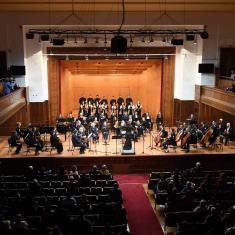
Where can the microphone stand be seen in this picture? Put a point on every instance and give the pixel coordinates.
(143, 144)
(69, 137)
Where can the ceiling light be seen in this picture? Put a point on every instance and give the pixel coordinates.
(29, 35)
(204, 35)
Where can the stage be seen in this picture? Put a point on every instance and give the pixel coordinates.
(147, 157)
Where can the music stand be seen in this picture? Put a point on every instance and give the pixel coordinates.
(116, 137)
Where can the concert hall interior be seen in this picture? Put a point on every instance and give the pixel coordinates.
(117, 97)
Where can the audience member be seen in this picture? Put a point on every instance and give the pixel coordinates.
(104, 170)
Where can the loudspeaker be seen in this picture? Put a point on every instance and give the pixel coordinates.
(45, 37)
(3, 64)
(58, 41)
(190, 37)
(17, 70)
(177, 42)
(118, 44)
(29, 35)
(206, 68)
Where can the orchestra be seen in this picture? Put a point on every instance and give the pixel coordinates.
(122, 117)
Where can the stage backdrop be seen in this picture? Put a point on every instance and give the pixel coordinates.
(145, 87)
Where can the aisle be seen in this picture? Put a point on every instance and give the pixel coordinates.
(141, 217)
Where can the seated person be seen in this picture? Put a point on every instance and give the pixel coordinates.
(14, 141)
(55, 141)
(78, 141)
(228, 133)
(170, 141)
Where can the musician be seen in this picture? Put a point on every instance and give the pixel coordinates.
(70, 118)
(136, 117)
(159, 119)
(138, 108)
(61, 126)
(228, 133)
(202, 129)
(78, 140)
(125, 116)
(89, 107)
(82, 100)
(120, 100)
(192, 120)
(113, 109)
(14, 141)
(94, 132)
(170, 141)
(146, 118)
(121, 109)
(112, 101)
(221, 126)
(129, 100)
(116, 128)
(33, 139)
(104, 101)
(162, 135)
(55, 141)
(130, 108)
(192, 137)
(139, 130)
(18, 130)
(90, 100)
(97, 100)
(105, 131)
(104, 108)
(215, 133)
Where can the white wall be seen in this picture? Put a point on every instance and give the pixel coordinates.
(219, 25)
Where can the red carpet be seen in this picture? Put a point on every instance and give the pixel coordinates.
(141, 217)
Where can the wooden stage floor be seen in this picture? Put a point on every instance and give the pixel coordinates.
(147, 156)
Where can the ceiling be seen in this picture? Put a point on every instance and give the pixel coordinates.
(115, 5)
(108, 67)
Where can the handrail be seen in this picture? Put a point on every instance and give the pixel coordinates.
(11, 103)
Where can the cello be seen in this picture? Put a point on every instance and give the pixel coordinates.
(206, 136)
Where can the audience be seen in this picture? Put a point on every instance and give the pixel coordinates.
(196, 200)
(41, 202)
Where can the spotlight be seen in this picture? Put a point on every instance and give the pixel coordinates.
(190, 37)
(146, 57)
(29, 35)
(45, 37)
(58, 41)
(204, 35)
(177, 42)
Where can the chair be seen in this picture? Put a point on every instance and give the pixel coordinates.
(101, 183)
(96, 190)
(34, 221)
(60, 191)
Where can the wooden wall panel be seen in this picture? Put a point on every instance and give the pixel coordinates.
(145, 87)
(53, 89)
(39, 112)
(218, 99)
(183, 109)
(21, 116)
(168, 90)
